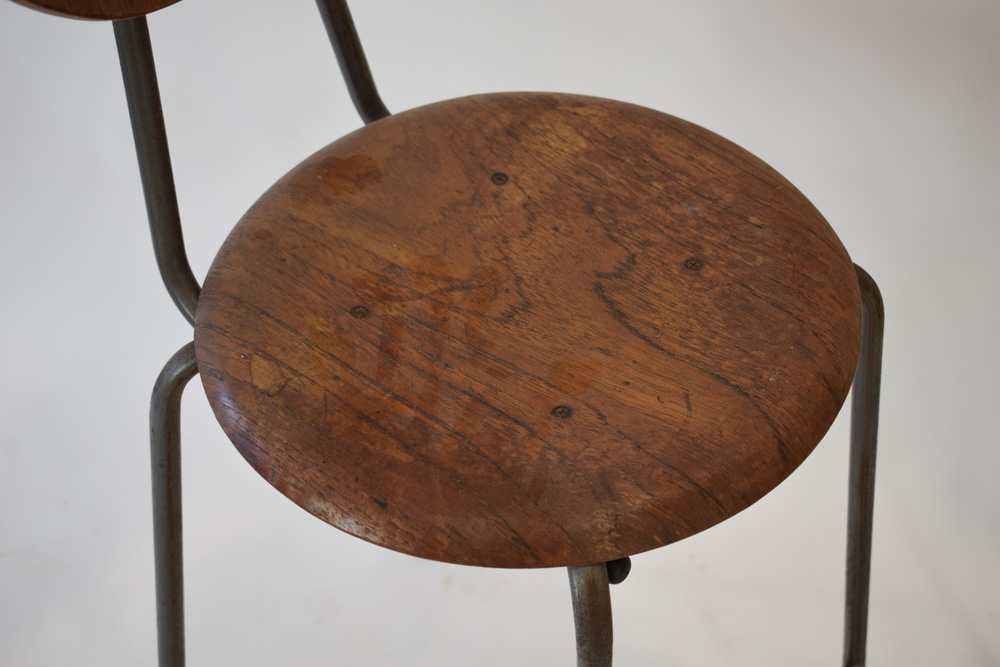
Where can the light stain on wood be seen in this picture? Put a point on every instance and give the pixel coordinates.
(693, 313)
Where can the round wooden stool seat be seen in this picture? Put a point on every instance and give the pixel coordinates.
(526, 330)
(98, 9)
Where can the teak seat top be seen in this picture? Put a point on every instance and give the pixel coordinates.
(527, 330)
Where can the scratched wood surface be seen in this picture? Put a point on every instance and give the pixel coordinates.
(97, 9)
(525, 330)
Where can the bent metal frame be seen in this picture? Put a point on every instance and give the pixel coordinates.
(589, 584)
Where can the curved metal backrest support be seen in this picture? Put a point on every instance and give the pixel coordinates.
(350, 55)
(150, 134)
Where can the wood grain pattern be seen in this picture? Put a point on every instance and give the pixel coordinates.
(526, 330)
(97, 9)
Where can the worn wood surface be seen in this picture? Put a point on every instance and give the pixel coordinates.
(97, 9)
(528, 330)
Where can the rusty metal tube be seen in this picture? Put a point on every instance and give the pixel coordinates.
(351, 57)
(861, 501)
(591, 614)
(150, 135)
(165, 450)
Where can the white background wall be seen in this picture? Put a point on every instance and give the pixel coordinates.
(884, 112)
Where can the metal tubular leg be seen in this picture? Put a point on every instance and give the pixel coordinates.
(350, 55)
(142, 91)
(165, 448)
(588, 585)
(864, 433)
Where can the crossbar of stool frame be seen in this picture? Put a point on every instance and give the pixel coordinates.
(588, 584)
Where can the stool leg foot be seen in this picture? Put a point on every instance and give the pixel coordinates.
(591, 614)
(864, 433)
(165, 450)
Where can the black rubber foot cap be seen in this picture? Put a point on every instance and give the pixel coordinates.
(618, 569)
